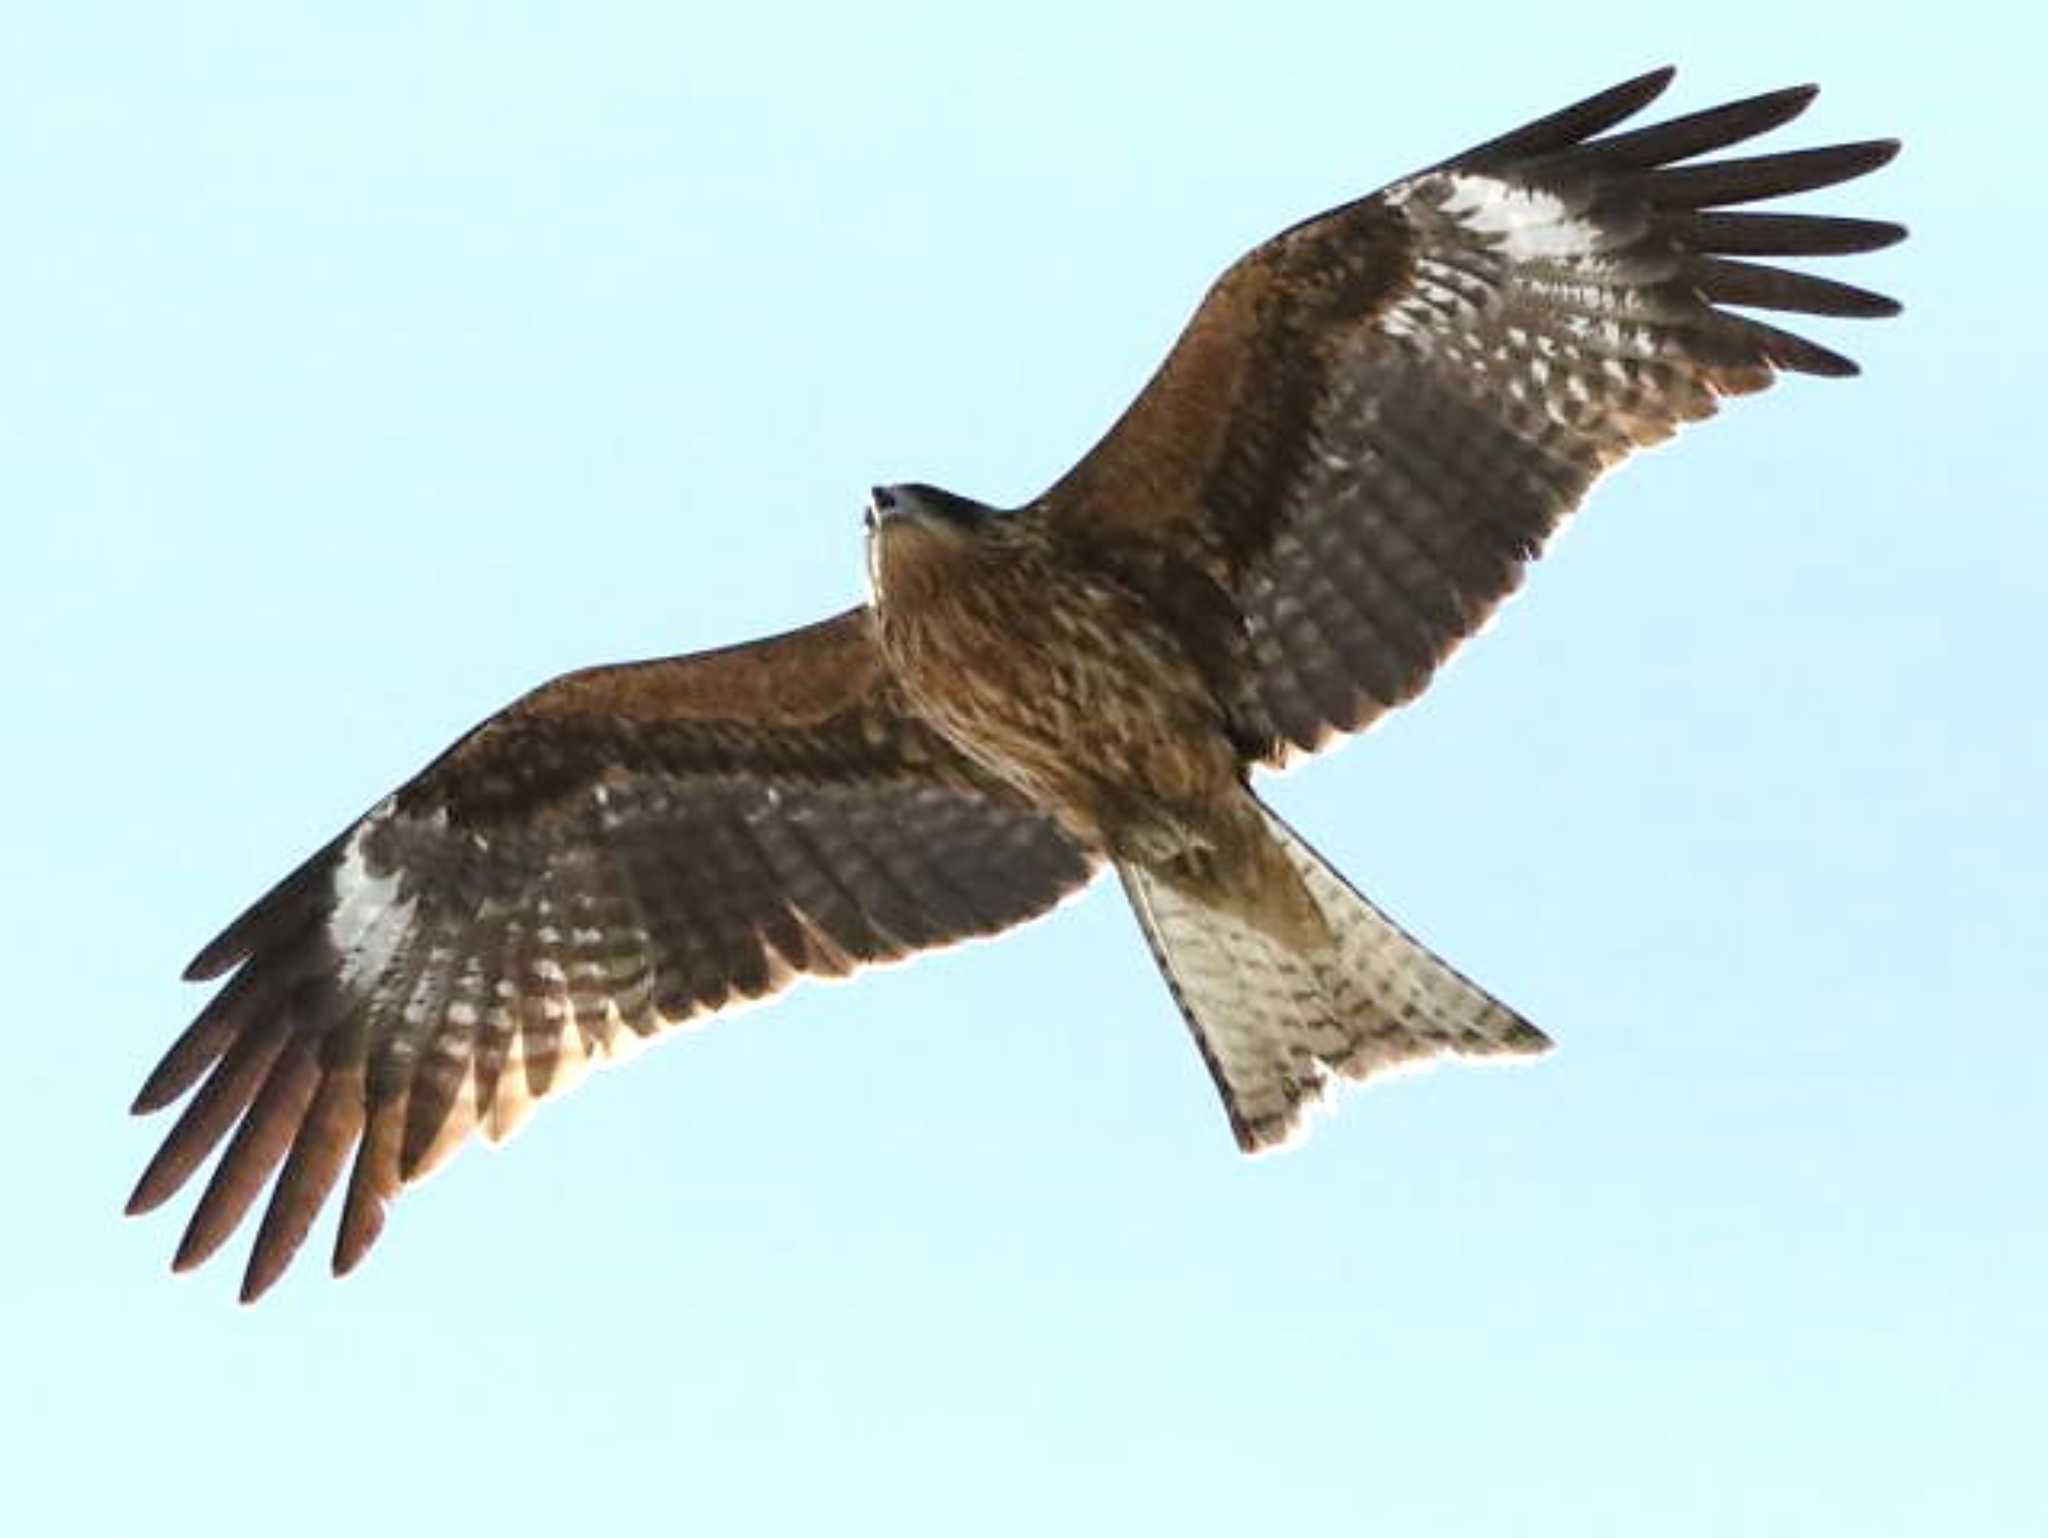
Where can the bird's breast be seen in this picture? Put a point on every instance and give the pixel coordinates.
(1063, 682)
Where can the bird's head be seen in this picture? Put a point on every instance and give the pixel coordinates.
(914, 527)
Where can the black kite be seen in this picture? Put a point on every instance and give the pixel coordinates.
(1370, 425)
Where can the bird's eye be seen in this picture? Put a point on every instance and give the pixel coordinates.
(867, 517)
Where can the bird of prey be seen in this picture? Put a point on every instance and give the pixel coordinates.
(1369, 426)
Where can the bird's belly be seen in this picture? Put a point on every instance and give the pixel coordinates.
(1076, 694)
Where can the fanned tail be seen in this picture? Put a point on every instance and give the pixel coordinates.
(1279, 1019)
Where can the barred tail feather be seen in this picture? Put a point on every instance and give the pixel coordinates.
(1278, 1022)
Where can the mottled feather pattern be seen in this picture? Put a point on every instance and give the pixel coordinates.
(1278, 1025)
(1557, 312)
(555, 889)
(1085, 699)
(1484, 340)
(1372, 424)
(1417, 519)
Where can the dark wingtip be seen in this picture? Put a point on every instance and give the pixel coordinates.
(165, 1174)
(194, 1250)
(357, 1234)
(219, 954)
(152, 1097)
(1631, 96)
(1793, 354)
(272, 917)
(1826, 364)
(195, 1051)
(1865, 155)
(143, 1199)
(1626, 99)
(265, 1267)
(1862, 236)
(1774, 109)
(362, 1222)
(1568, 125)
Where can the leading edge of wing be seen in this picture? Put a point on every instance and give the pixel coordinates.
(606, 859)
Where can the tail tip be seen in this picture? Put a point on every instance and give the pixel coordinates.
(1521, 1039)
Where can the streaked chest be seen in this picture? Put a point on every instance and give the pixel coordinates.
(1060, 679)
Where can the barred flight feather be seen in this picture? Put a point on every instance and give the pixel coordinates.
(458, 954)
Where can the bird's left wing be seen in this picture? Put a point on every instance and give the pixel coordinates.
(1376, 418)
(616, 853)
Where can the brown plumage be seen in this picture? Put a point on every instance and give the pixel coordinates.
(1368, 428)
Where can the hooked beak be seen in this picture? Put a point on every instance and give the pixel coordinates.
(881, 506)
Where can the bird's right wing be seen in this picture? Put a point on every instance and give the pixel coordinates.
(620, 851)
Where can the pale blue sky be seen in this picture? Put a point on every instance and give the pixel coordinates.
(368, 369)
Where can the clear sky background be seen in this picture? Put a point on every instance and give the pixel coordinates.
(370, 364)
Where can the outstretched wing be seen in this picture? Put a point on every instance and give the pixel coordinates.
(620, 851)
(1376, 418)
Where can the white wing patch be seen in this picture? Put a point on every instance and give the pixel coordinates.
(1482, 238)
(1553, 316)
(1524, 223)
(370, 921)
